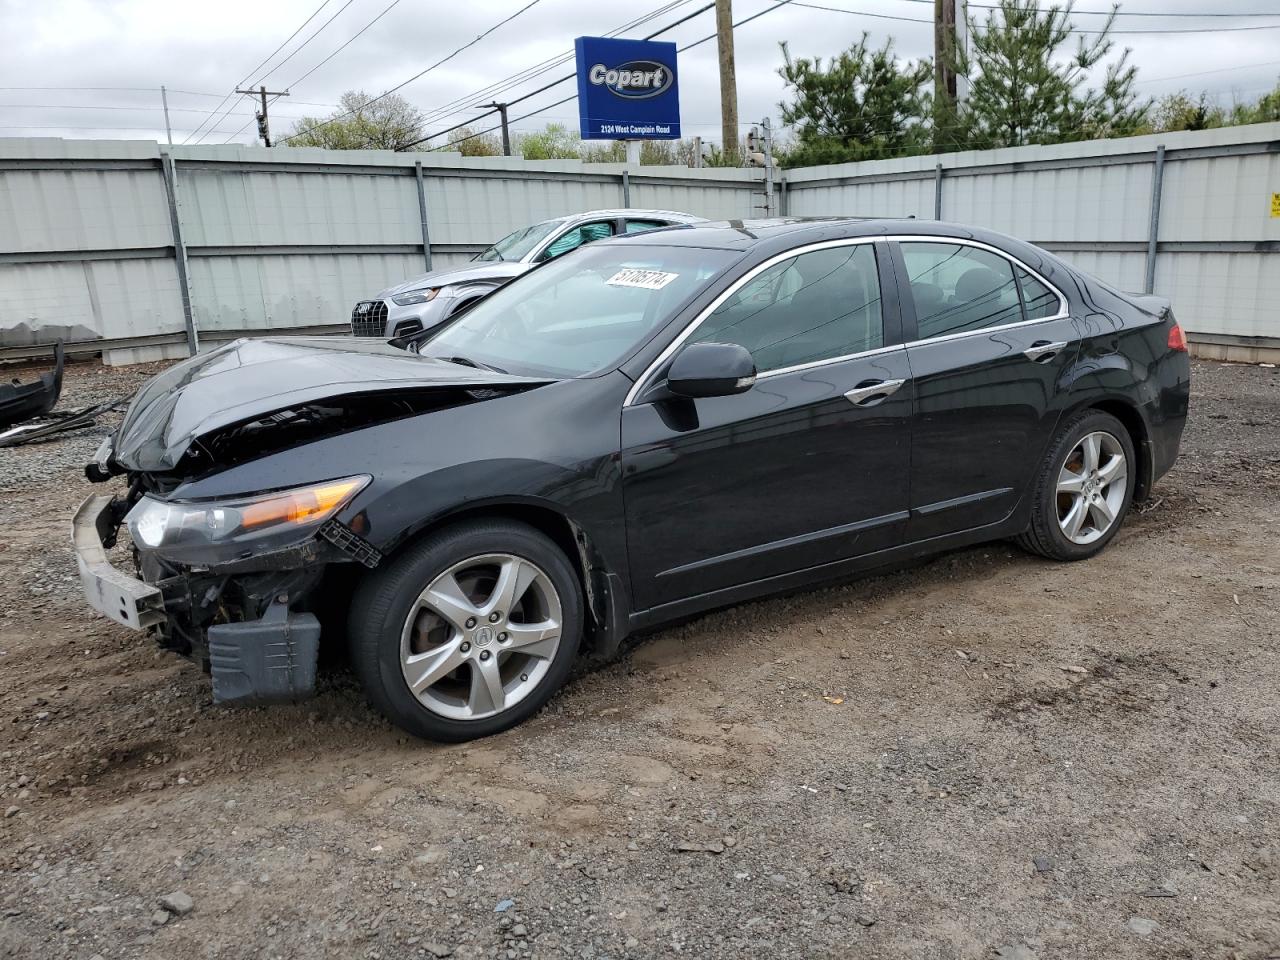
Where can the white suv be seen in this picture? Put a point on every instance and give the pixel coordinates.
(428, 300)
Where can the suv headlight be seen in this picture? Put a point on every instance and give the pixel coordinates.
(416, 296)
(214, 531)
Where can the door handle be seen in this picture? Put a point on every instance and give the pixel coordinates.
(1043, 350)
(869, 394)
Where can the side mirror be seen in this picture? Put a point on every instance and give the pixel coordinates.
(711, 370)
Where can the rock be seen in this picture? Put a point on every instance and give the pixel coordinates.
(1165, 889)
(504, 905)
(160, 918)
(438, 949)
(11, 812)
(178, 903)
(1015, 951)
(631, 943)
(865, 920)
(693, 846)
(519, 930)
(1042, 863)
(1142, 926)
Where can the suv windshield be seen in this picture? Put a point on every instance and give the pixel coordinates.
(516, 246)
(579, 313)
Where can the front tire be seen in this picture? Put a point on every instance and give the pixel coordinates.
(469, 631)
(1083, 490)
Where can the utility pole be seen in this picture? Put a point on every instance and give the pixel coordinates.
(164, 101)
(264, 129)
(697, 152)
(944, 73)
(506, 133)
(767, 137)
(728, 79)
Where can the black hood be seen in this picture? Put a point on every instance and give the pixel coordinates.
(248, 379)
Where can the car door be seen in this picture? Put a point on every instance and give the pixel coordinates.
(808, 466)
(989, 343)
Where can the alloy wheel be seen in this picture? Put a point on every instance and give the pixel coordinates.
(1092, 485)
(481, 636)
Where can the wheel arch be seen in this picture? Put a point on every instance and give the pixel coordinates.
(607, 602)
(1130, 416)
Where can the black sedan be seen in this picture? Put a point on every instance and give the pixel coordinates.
(642, 430)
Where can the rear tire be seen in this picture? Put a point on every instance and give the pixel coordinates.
(469, 631)
(1083, 490)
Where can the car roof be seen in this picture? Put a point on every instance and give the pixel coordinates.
(673, 215)
(786, 232)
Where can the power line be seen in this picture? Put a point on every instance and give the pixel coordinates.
(574, 96)
(556, 83)
(1119, 13)
(886, 16)
(423, 73)
(245, 78)
(354, 37)
(1201, 73)
(299, 48)
(477, 98)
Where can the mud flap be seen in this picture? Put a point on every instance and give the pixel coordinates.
(271, 660)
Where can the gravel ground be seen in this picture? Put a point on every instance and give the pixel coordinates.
(987, 755)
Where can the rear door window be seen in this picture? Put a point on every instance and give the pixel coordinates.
(957, 288)
(1039, 300)
(640, 226)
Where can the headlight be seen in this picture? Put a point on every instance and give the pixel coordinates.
(416, 296)
(214, 531)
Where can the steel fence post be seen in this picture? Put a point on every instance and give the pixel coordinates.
(169, 169)
(422, 214)
(1153, 230)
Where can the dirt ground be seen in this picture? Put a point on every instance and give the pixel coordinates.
(988, 755)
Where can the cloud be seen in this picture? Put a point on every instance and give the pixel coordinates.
(205, 48)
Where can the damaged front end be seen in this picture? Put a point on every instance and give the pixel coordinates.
(242, 584)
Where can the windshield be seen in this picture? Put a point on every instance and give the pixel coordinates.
(516, 246)
(579, 313)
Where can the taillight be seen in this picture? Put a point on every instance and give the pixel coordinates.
(1177, 339)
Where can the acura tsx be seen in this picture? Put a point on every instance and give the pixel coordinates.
(644, 429)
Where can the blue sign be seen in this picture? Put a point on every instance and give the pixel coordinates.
(627, 89)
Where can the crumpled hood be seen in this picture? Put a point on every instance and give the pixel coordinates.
(495, 270)
(245, 379)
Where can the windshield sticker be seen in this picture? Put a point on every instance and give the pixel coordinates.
(645, 279)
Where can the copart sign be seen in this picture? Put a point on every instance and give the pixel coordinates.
(627, 89)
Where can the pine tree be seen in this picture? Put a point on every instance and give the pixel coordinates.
(1025, 87)
(862, 105)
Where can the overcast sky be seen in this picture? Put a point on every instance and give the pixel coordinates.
(201, 50)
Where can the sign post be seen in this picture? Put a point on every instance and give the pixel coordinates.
(627, 91)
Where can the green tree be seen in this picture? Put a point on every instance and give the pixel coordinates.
(1177, 111)
(1026, 86)
(359, 124)
(469, 143)
(861, 105)
(555, 142)
(1264, 110)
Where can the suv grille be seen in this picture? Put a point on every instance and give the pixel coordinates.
(369, 319)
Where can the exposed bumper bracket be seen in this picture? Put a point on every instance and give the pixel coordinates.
(117, 595)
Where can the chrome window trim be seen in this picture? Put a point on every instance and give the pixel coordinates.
(643, 383)
(1062, 313)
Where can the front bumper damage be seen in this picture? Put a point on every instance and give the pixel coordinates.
(240, 620)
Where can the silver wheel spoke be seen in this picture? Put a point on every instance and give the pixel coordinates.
(1102, 514)
(536, 639)
(1074, 519)
(487, 695)
(1069, 482)
(514, 578)
(1113, 471)
(423, 670)
(1090, 446)
(446, 598)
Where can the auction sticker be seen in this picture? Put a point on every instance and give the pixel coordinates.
(645, 279)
